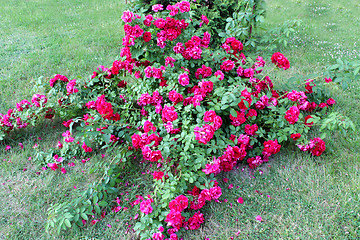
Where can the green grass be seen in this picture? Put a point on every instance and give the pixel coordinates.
(44, 38)
(311, 198)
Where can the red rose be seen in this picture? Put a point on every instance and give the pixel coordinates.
(246, 97)
(236, 46)
(104, 108)
(136, 141)
(250, 130)
(215, 192)
(195, 221)
(209, 116)
(323, 105)
(292, 115)
(295, 136)
(271, 147)
(227, 66)
(175, 219)
(239, 119)
(147, 36)
(169, 114)
(280, 60)
(312, 107)
(251, 113)
(319, 146)
(330, 101)
(328, 80)
(179, 204)
(175, 97)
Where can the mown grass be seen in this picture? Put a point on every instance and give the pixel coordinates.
(44, 38)
(298, 196)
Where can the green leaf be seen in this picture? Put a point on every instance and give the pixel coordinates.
(95, 199)
(333, 67)
(97, 209)
(225, 106)
(339, 61)
(199, 109)
(84, 216)
(246, 103)
(186, 147)
(59, 228)
(67, 223)
(138, 225)
(166, 195)
(191, 180)
(344, 85)
(233, 112)
(106, 137)
(356, 71)
(103, 203)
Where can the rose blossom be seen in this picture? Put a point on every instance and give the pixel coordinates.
(227, 65)
(157, 7)
(184, 79)
(127, 16)
(295, 136)
(292, 115)
(280, 60)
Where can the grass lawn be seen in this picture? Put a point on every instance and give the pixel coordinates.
(297, 196)
(44, 38)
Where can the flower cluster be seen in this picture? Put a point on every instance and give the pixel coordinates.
(280, 60)
(316, 146)
(200, 198)
(193, 47)
(68, 137)
(292, 115)
(175, 97)
(206, 132)
(70, 87)
(154, 72)
(86, 148)
(204, 71)
(155, 100)
(145, 206)
(131, 33)
(24, 104)
(228, 160)
(200, 92)
(143, 142)
(180, 203)
(105, 109)
(39, 100)
(232, 45)
(56, 78)
(176, 206)
(271, 147)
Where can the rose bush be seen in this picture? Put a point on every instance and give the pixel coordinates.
(183, 110)
(215, 17)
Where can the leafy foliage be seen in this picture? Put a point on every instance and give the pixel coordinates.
(246, 16)
(278, 36)
(344, 72)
